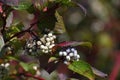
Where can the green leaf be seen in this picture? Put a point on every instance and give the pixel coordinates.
(23, 5)
(87, 44)
(51, 59)
(28, 67)
(59, 26)
(82, 68)
(12, 58)
(25, 66)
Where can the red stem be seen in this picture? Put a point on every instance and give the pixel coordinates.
(30, 75)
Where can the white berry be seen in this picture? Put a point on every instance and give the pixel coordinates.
(48, 43)
(68, 58)
(7, 64)
(46, 51)
(65, 62)
(72, 49)
(48, 39)
(35, 67)
(68, 50)
(53, 42)
(50, 34)
(71, 54)
(64, 53)
(42, 46)
(75, 51)
(45, 47)
(30, 50)
(78, 56)
(44, 36)
(39, 43)
(2, 65)
(51, 38)
(60, 53)
(54, 37)
(29, 45)
(43, 50)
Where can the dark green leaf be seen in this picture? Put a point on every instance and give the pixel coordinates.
(82, 68)
(47, 19)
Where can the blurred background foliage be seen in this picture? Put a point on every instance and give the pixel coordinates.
(101, 26)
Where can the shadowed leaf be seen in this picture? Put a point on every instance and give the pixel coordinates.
(1, 42)
(99, 73)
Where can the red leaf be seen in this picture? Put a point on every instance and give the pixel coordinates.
(1, 8)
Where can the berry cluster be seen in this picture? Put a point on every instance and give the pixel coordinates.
(47, 42)
(44, 44)
(31, 46)
(69, 54)
(6, 65)
(3, 70)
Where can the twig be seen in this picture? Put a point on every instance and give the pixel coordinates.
(4, 16)
(22, 32)
(30, 75)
